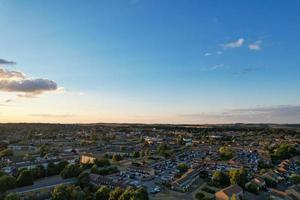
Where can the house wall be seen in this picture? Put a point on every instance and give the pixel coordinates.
(87, 159)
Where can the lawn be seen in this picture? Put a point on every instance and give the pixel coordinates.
(171, 195)
(199, 189)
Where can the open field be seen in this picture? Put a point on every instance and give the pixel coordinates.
(171, 195)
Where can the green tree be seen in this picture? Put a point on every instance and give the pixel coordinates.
(270, 182)
(115, 194)
(102, 162)
(122, 148)
(25, 178)
(140, 194)
(2, 173)
(180, 140)
(51, 169)
(44, 150)
(5, 153)
(94, 137)
(12, 196)
(243, 177)
(252, 188)
(284, 151)
(143, 154)
(18, 172)
(225, 153)
(103, 193)
(61, 166)
(71, 170)
(182, 167)
(142, 140)
(127, 194)
(7, 182)
(94, 169)
(163, 150)
(220, 179)
(237, 176)
(83, 179)
(147, 152)
(234, 197)
(38, 172)
(61, 192)
(295, 178)
(136, 154)
(77, 194)
(107, 170)
(116, 158)
(199, 196)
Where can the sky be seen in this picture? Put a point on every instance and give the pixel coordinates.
(150, 61)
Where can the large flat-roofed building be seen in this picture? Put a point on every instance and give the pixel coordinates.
(99, 180)
(145, 170)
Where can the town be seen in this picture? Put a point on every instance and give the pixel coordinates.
(144, 161)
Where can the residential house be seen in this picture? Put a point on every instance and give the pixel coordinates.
(227, 193)
(19, 147)
(279, 195)
(293, 192)
(184, 183)
(259, 182)
(87, 159)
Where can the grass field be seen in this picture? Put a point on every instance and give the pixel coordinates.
(167, 194)
(171, 195)
(199, 189)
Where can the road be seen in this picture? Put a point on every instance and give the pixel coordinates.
(49, 182)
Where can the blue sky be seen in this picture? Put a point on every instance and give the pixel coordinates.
(151, 61)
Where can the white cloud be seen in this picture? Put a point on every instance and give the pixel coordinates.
(215, 53)
(217, 66)
(14, 81)
(6, 74)
(255, 46)
(214, 67)
(32, 86)
(234, 44)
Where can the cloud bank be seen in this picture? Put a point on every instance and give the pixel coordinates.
(32, 86)
(5, 74)
(6, 62)
(15, 81)
(272, 114)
